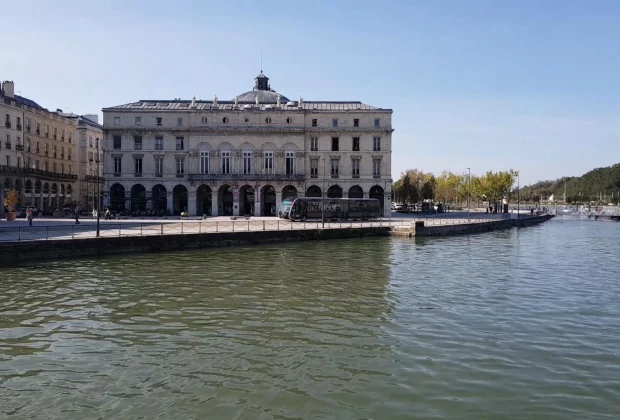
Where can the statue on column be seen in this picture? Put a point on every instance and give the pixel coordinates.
(215, 100)
(256, 99)
(236, 101)
(278, 100)
(301, 101)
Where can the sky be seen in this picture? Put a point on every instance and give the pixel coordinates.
(483, 84)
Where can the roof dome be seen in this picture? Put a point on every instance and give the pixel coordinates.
(262, 91)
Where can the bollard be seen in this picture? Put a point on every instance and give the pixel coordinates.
(263, 225)
(199, 227)
(19, 232)
(140, 229)
(182, 227)
(248, 225)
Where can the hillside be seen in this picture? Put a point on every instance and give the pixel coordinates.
(590, 186)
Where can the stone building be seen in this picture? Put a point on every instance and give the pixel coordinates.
(37, 152)
(243, 156)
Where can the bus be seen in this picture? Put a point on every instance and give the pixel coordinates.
(330, 208)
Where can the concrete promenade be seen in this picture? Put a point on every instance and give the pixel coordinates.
(63, 229)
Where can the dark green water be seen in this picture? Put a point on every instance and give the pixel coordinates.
(520, 324)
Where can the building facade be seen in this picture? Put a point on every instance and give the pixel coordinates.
(89, 134)
(245, 155)
(38, 152)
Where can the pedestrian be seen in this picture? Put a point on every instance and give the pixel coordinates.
(29, 216)
(77, 217)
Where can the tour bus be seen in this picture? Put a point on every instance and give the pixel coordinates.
(333, 208)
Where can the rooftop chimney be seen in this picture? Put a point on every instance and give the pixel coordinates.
(92, 117)
(9, 89)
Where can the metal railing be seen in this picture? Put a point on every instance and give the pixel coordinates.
(133, 227)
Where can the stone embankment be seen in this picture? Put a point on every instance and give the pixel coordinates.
(419, 229)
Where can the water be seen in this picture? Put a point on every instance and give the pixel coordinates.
(519, 324)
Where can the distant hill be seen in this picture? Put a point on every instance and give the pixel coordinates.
(590, 186)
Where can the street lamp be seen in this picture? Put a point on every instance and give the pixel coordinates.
(98, 191)
(323, 197)
(468, 194)
(518, 197)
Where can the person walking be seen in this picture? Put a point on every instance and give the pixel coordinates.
(29, 216)
(77, 216)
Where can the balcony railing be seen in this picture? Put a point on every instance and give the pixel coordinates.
(38, 131)
(138, 174)
(36, 172)
(180, 175)
(158, 147)
(137, 146)
(355, 175)
(18, 126)
(376, 176)
(54, 136)
(179, 147)
(254, 177)
(7, 145)
(19, 147)
(7, 124)
(69, 140)
(334, 175)
(28, 128)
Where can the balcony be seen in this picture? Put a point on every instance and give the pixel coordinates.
(181, 175)
(7, 124)
(179, 147)
(37, 151)
(47, 135)
(7, 145)
(376, 176)
(62, 156)
(38, 131)
(158, 147)
(37, 172)
(46, 153)
(28, 128)
(19, 147)
(137, 175)
(54, 136)
(62, 138)
(314, 176)
(117, 174)
(248, 177)
(355, 175)
(334, 175)
(18, 126)
(159, 174)
(137, 146)
(69, 140)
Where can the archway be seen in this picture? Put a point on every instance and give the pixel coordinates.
(54, 189)
(377, 192)
(18, 186)
(46, 188)
(37, 187)
(225, 198)
(268, 197)
(313, 191)
(68, 189)
(334, 192)
(203, 200)
(179, 199)
(246, 200)
(37, 195)
(117, 197)
(159, 197)
(28, 187)
(289, 192)
(356, 192)
(62, 189)
(138, 198)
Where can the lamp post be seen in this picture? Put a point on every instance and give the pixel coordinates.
(323, 197)
(468, 193)
(419, 194)
(518, 197)
(98, 193)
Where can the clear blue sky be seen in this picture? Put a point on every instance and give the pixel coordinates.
(529, 85)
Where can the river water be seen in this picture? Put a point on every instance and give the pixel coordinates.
(518, 324)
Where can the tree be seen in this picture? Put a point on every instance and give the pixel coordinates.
(11, 200)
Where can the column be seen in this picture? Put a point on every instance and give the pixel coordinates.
(127, 200)
(235, 201)
(258, 209)
(169, 199)
(214, 203)
(191, 203)
(278, 201)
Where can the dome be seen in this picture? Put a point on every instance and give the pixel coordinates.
(264, 97)
(262, 91)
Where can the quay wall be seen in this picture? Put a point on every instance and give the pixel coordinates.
(13, 254)
(468, 228)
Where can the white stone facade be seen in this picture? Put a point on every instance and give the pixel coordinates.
(243, 156)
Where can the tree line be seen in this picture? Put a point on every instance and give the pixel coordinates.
(453, 188)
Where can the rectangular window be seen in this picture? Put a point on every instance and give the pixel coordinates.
(137, 142)
(356, 122)
(158, 120)
(138, 166)
(179, 122)
(376, 168)
(117, 142)
(28, 145)
(335, 144)
(247, 163)
(55, 168)
(37, 144)
(314, 122)
(290, 163)
(69, 170)
(46, 166)
(159, 166)
(138, 120)
(335, 168)
(179, 143)
(180, 166)
(55, 132)
(62, 168)
(117, 121)
(335, 122)
(356, 144)
(27, 162)
(225, 163)
(19, 125)
(54, 151)
(376, 144)
(269, 162)
(97, 143)
(314, 168)
(90, 141)
(205, 161)
(8, 141)
(62, 135)
(90, 156)
(19, 162)
(8, 161)
(38, 128)
(377, 123)
(314, 144)
(117, 166)
(159, 143)
(355, 168)
(36, 165)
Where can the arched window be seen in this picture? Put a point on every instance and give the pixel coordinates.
(225, 120)
(205, 162)
(247, 161)
(291, 162)
(204, 120)
(268, 120)
(289, 120)
(269, 164)
(226, 162)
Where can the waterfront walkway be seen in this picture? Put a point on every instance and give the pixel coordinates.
(62, 229)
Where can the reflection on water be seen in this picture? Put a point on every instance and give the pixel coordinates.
(514, 324)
